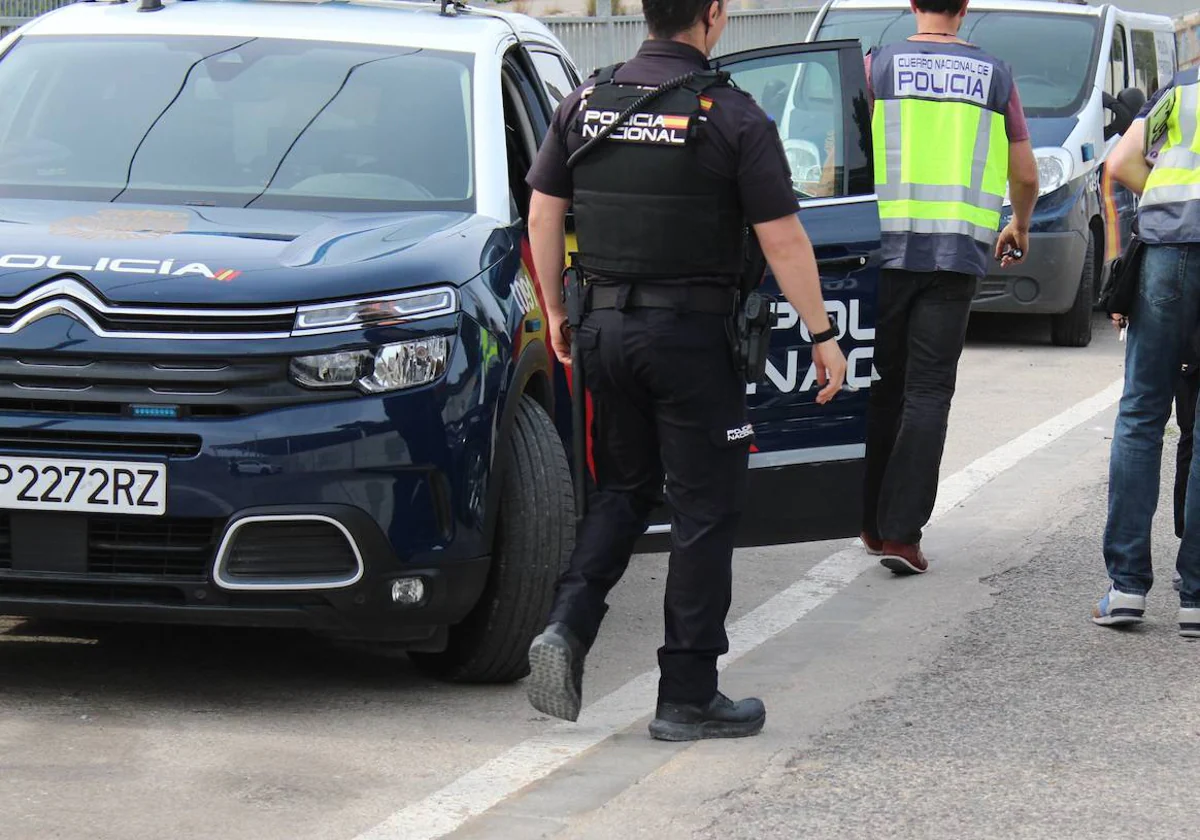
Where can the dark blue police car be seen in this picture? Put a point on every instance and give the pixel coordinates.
(270, 349)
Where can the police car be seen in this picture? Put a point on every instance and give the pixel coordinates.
(272, 350)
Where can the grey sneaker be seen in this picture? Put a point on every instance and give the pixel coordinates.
(1189, 622)
(1118, 608)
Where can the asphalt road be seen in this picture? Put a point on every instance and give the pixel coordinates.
(976, 701)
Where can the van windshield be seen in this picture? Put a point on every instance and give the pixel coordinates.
(236, 122)
(1052, 55)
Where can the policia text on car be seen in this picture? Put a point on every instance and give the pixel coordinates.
(661, 206)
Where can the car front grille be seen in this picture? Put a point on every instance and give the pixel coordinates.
(186, 387)
(68, 295)
(5, 543)
(173, 549)
(160, 548)
(56, 442)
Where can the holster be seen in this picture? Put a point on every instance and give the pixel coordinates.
(751, 334)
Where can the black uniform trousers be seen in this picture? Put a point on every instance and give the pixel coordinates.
(666, 401)
(919, 335)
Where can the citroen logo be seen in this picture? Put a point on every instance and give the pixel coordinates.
(61, 297)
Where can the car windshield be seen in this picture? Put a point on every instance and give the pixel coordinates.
(236, 122)
(1051, 55)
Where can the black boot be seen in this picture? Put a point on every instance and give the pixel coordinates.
(718, 718)
(555, 684)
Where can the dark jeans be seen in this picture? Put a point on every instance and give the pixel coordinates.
(1187, 391)
(1165, 313)
(919, 336)
(666, 398)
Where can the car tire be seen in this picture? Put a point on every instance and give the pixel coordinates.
(535, 535)
(1073, 328)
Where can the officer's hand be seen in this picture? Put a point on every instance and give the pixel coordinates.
(831, 369)
(560, 338)
(1012, 238)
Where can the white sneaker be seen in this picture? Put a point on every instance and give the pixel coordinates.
(1189, 622)
(1117, 608)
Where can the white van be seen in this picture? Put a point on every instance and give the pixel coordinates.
(1083, 72)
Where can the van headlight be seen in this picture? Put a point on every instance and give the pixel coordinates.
(1055, 169)
(341, 316)
(389, 367)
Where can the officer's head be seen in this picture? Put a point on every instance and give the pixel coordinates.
(697, 22)
(951, 8)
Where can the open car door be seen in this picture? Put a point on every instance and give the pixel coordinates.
(806, 465)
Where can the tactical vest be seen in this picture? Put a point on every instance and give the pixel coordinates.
(1169, 212)
(941, 154)
(645, 209)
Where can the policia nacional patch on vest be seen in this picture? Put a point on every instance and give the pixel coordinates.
(640, 127)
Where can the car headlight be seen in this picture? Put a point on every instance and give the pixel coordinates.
(389, 367)
(1055, 169)
(376, 312)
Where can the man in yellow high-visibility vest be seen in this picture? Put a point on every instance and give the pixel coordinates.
(949, 137)
(1164, 317)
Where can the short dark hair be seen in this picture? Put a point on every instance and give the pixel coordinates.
(667, 18)
(941, 7)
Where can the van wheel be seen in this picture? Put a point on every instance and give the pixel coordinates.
(534, 538)
(1073, 328)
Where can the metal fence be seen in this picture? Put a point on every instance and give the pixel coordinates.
(592, 41)
(596, 41)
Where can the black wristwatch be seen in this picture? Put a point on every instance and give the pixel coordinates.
(818, 338)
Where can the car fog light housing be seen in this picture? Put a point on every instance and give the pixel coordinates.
(408, 591)
(389, 367)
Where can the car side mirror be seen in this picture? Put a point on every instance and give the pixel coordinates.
(1124, 107)
(1133, 99)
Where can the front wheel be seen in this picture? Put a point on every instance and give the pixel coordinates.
(1073, 328)
(534, 538)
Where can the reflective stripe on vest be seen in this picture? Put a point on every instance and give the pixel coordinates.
(940, 167)
(1169, 210)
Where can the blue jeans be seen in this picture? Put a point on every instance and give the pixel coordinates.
(1164, 316)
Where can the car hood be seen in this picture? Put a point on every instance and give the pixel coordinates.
(231, 256)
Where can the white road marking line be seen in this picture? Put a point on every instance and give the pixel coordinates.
(535, 758)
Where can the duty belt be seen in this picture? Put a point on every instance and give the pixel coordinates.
(711, 300)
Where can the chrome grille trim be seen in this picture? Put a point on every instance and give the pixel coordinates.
(74, 299)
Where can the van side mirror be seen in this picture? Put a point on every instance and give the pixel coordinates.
(1133, 99)
(1124, 107)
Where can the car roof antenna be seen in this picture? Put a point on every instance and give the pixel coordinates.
(150, 6)
(457, 4)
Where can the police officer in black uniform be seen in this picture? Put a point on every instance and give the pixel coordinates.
(666, 165)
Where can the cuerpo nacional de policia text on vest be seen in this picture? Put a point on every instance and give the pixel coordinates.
(645, 209)
(941, 154)
(1169, 211)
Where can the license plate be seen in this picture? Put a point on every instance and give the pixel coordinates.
(83, 486)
